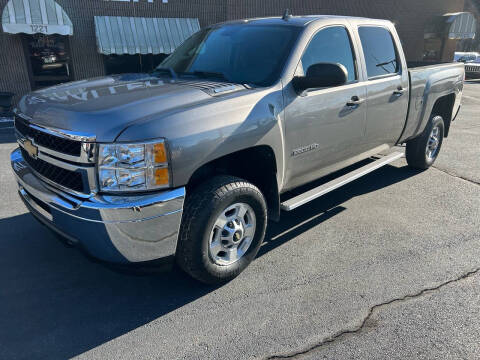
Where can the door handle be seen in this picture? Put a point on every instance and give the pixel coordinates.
(399, 92)
(355, 101)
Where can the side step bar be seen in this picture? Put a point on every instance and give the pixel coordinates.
(313, 194)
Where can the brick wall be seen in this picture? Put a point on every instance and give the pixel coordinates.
(409, 15)
(87, 62)
(472, 6)
(13, 66)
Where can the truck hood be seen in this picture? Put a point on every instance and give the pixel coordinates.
(103, 107)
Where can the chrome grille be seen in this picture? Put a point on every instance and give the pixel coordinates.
(63, 159)
(471, 69)
(52, 142)
(68, 179)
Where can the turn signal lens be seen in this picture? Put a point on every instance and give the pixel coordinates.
(160, 153)
(161, 176)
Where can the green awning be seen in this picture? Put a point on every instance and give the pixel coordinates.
(138, 35)
(461, 25)
(35, 17)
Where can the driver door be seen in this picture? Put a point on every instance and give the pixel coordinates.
(324, 126)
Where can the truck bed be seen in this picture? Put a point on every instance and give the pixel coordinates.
(428, 83)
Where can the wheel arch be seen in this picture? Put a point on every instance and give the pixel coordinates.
(444, 107)
(256, 165)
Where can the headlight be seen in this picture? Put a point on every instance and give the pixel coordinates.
(133, 167)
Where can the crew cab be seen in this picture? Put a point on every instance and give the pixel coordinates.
(188, 163)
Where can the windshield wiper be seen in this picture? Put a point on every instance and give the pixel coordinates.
(168, 70)
(209, 74)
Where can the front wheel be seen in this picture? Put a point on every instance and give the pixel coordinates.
(223, 226)
(422, 151)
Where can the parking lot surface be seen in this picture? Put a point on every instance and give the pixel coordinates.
(385, 267)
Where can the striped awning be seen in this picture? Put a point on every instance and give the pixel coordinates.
(35, 17)
(461, 25)
(139, 35)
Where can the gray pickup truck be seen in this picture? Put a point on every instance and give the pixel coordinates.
(187, 163)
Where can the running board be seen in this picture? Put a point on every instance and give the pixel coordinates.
(313, 194)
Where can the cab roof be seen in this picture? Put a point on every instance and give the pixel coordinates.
(300, 21)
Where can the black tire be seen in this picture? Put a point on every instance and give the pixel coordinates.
(416, 152)
(201, 210)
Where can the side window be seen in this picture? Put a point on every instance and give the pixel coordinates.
(379, 49)
(331, 45)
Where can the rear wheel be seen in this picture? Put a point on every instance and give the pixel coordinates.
(422, 151)
(222, 229)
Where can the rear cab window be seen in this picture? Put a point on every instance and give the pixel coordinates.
(381, 55)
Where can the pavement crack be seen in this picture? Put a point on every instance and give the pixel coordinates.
(342, 333)
(457, 176)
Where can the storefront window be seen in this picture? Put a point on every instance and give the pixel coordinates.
(121, 64)
(49, 59)
(432, 49)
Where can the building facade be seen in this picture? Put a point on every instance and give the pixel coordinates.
(98, 34)
(471, 45)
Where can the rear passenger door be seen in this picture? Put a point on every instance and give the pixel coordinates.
(387, 87)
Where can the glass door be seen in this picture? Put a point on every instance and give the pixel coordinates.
(48, 57)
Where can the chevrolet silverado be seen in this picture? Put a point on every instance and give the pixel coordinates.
(187, 163)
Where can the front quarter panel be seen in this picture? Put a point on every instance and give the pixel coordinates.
(200, 134)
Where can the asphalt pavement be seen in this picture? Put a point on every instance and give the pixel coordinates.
(385, 267)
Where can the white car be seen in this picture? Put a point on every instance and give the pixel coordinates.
(460, 54)
(472, 63)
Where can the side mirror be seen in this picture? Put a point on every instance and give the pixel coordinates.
(321, 75)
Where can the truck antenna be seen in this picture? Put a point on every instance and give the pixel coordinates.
(286, 15)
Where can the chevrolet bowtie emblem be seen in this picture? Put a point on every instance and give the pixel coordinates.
(31, 149)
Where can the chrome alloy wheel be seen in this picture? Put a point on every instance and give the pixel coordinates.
(232, 234)
(433, 143)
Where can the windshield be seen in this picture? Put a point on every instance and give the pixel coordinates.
(239, 53)
(468, 58)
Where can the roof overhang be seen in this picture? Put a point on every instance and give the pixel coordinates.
(35, 17)
(138, 35)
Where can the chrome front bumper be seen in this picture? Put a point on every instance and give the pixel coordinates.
(119, 229)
